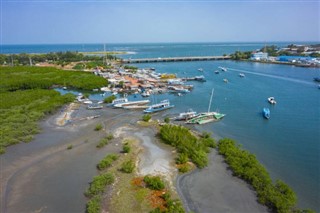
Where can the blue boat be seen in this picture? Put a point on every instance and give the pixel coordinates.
(266, 113)
(163, 105)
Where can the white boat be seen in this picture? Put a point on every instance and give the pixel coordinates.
(225, 80)
(118, 101)
(271, 100)
(163, 105)
(131, 103)
(206, 117)
(200, 78)
(145, 94)
(241, 75)
(186, 115)
(87, 101)
(224, 69)
(178, 89)
(135, 107)
(94, 106)
(200, 70)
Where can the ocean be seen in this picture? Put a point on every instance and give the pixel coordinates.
(288, 144)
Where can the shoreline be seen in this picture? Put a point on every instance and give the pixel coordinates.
(50, 157)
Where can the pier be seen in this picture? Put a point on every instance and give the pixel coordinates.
(175, 59)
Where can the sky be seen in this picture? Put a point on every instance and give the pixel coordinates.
(137, 21)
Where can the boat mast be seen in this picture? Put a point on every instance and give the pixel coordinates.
(210, 100)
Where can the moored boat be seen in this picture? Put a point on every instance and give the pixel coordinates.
(225, 80)
(206, 117)
(184, 116)
(163, 105)
(266, 113)
(224, 69)
(118, 101)
(271, 100)
(242, 75)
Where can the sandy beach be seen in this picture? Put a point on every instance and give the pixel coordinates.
(44, 176)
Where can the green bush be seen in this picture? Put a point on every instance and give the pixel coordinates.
(70, 146)
(102, 143)
(146, 117)
(182, 158)
(98, 127)
(154, 183)
(93, 205)
(109, 136)
(279, 197)
(107, 161)
(167, 120)
(195, 148)
(126, 148)
(127, 166)
(184, 168)
(109, 99)
(99, 183)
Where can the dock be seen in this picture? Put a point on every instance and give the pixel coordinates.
(175, 59)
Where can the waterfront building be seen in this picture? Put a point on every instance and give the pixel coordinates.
(259, 56)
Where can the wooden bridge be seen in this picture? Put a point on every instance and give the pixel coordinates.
(175, 59)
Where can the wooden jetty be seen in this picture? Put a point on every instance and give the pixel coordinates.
(175, 59)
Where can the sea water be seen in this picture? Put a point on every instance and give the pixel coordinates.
(288, 144)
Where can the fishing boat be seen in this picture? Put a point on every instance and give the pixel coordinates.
(200, 70)
(266, 113)
(184, 116)
(163, 105)
(241, 75)
(271, 100)
(131, 103)
(224, 69)
(206, 117)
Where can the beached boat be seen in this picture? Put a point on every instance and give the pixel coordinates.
(271, 100)
(135, 107)
(163, 105)
(118, 101)
(224, 69)
(206, 117)
(94, 106)
(131, 103)
(184, 116)
(266, 113)
(242, 75)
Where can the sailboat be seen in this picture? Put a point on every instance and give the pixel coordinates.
(206, 117)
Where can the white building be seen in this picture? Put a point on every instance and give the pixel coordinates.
(259, 56)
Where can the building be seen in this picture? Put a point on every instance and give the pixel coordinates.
(259, 56)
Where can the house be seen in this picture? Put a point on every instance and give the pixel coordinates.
(259, 56)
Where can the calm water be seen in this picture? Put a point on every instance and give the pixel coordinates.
(288, 144)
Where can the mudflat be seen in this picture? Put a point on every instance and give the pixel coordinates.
(45, 176)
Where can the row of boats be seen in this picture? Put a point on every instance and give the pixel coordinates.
(190, 117)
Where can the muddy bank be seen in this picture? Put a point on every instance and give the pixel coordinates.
(44, 176)
(214, 189)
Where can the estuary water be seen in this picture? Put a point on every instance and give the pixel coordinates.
(288, 144)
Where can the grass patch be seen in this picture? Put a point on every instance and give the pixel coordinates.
(70, 146)
(93, 205)
(98, 127)
(127, 166)
(107, 161)
(99, 183)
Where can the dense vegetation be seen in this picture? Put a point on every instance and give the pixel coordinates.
(241, 55)
(98, 184)
(188, 145)
(25, 98)
(279, 197)
(22, 78)
(107, 161)
(60, 58)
